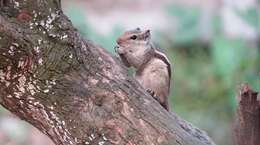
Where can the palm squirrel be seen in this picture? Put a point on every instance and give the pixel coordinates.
(152, 67)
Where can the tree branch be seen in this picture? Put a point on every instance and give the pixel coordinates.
(247, 125)
(75, 91)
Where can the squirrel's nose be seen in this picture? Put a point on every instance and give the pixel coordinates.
(147, 34)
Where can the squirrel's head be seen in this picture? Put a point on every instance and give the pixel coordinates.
(134, 37)
(135, 46)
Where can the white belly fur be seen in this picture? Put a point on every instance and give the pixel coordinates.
(155, 77)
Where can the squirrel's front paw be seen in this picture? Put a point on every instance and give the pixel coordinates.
(151, 92)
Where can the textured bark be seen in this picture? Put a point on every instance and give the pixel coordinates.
(247, 126)
(74, 91)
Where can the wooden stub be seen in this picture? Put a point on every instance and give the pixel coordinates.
(247, 125)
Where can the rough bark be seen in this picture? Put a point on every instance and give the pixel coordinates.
(247, 125)
(73, 90)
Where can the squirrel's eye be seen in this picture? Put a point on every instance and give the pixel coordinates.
(133, 37)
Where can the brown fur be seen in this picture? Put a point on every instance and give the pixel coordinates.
(153, 69)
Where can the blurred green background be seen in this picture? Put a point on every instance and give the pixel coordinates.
(214, 47)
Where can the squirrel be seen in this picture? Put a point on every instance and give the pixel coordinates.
(152, 67)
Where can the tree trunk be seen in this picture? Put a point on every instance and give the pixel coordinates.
(74, 91)
(247, 125)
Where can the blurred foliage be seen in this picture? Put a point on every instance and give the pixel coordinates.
(188, 20)
(251, 16)
(79, 20)
(206, 76)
